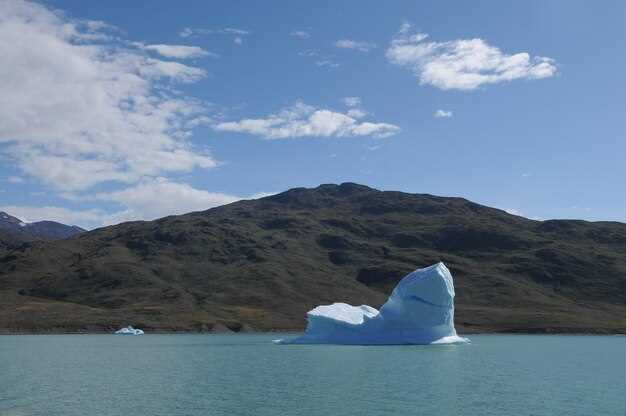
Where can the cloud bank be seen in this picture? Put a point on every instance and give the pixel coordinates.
(80, 108)
(147, 200)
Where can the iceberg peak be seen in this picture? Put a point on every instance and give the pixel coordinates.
(420, 310)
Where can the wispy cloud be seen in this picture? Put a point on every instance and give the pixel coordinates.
(321, 60)
(463, 64)
(147, 200)
(192, 32)
(327, 63)
(356, 45)
(177, 51)
(442, 114)
(302, 34)
(309, 53)
(355, 109)
(110, 111)
(301, 120)
(351, 101)
(237, 34)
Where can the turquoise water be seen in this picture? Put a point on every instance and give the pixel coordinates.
(175, 375)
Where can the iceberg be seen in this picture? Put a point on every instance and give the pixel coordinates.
(420, 310)
(129, 330)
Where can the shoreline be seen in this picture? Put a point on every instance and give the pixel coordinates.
(549, 332)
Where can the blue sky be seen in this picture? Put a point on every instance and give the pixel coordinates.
(118, 110)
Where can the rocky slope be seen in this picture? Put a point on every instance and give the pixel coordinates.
(261, 264)
(10, 241)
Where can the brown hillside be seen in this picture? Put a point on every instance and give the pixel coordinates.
(261, 264)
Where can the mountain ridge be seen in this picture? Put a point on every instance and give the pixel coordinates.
(45, 229)
(261, 264)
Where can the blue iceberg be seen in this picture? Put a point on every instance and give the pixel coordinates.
(420, 310)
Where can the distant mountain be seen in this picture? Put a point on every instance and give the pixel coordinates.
(10, 222)
(49, 230)
(261, 264)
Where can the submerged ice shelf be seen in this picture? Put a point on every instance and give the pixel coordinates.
(420, 310)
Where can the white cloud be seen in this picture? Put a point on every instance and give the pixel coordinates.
(186, 32)
(327, 62)
(160, 197)
(442, 114)
(354, 104)
(68, 173)
(356, 113)
(321, 60)
(194, 32)
(356, 45)
(351, 101)
(178, 51)
(148, 200)
(463, 64)
(80, 108)
(237, 34)
(300, 34)
(301, 120)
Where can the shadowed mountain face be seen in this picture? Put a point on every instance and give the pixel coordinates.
(261, 264)
(47, 230)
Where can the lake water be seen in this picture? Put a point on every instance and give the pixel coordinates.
(245, 374)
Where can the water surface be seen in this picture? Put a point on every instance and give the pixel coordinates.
(176, 375)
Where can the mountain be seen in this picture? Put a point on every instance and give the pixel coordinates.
(12, 234)
(261, 264)
(49, 230)
(10, 241)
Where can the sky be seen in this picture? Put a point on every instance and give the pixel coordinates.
(115, 111)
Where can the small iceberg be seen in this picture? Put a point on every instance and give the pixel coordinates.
(420, 310)
(129, 330)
